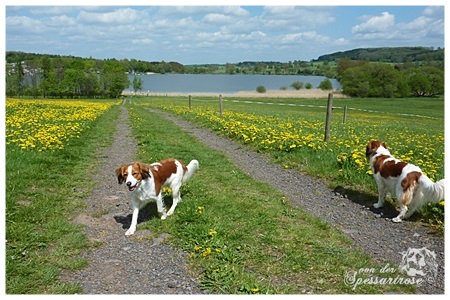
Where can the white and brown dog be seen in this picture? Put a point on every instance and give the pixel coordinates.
(402, 180)
(145, 183)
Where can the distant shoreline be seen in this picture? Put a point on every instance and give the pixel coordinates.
(303, 93)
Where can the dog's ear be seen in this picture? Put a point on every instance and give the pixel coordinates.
(384, 145)
(372, 147)
(119, 173)
(145, 170)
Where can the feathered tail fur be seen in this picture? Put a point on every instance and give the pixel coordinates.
(426, 191)
(432, 191)
(191, 168)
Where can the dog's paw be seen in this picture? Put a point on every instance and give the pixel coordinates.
(163, 217)
(130, 231)
(397, 220)
(376, 205)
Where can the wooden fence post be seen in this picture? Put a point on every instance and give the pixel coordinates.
(220, 105)
(189, 102)
(328, 120)
(345, 115)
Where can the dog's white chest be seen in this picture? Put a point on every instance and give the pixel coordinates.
(146, 191)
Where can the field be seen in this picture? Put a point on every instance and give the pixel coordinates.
(292, 132)
(51, 147)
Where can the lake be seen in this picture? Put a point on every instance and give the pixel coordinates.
(221, 83)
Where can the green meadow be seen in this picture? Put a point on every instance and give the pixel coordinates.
(235, 244)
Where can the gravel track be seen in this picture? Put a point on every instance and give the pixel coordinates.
(140, 264)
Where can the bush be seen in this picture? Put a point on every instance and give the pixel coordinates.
(297, 85)
(261, 89)
(383, 80)
(308, 86)
(326, 85)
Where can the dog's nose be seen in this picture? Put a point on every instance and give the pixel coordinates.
(128, 183)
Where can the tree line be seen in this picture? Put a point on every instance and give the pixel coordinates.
(389, 54)
(360, 78)
(66, 77)
(132, 66)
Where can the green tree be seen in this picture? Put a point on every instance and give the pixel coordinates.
(113, 79)
(426, 81)
(326, 85)
(230, 68)
(17, 80)
(297, 85)
(47, 84)
(346, 63)
(261, 89)
(137, 84)
(373, 80)
(34, 74)
(11, 79)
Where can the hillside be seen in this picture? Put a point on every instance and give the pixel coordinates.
(388, 54)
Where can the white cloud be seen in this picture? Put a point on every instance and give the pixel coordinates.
(422, 26)
(60, 21)
(384, 28)
(308, 36)
(143, 41)
(296, 17)
(434, 12)
(376, 24)
(119, 16)
(217, 19)
(51, 10)
(203, 10)
(283, 10)
(24, 25)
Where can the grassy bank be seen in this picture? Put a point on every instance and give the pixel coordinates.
(241, 235)
(45, 184)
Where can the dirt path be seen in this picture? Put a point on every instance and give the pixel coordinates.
(140, 264)
(371, 230)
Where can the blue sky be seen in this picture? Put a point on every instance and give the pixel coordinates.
(220, 33)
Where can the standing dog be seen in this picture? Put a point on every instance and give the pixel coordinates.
(403, 180)
(145, 183)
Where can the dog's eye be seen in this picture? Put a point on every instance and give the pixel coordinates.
(125, 174)
(135, 173)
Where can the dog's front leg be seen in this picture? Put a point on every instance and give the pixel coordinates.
(132, 228)
(401, 215)
(382, 193)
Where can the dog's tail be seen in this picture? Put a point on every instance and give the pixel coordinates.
(425, 191)
(191, 168)
(432, 191)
